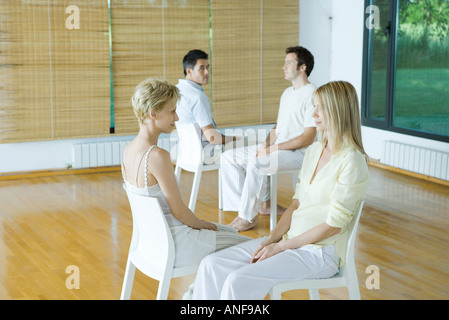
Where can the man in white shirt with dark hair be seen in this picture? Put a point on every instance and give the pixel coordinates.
(244, 180)
(194, 106)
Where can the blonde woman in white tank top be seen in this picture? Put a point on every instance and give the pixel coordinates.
(148, 170)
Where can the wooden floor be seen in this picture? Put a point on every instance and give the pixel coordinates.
(50, 223)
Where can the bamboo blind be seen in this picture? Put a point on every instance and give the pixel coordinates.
(55, 83)
(80, 70)
(149, 39)
(280, 29)
(137, 48)
(25, 112)
(186, 28)
(249, 41)
(54, 80)
(236, 61)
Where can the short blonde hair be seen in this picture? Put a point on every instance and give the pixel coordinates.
(152, 95)
(340, 108)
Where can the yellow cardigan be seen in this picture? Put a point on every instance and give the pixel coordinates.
(333, 195)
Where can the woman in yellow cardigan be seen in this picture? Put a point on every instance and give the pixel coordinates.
(310, 239)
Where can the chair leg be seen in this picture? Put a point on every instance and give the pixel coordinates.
(351, 280)
(314, 294)
(128, 281)
(195, 188)
(220, 191)
(294, 181)
(275, 294)
(353, 289)
(273, 201)
(164, 287)
(177, 173)
(354, 293)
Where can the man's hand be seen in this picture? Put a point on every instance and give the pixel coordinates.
(266, 150)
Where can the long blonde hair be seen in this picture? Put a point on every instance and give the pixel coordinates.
(340, 108)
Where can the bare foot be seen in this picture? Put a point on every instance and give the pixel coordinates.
(240, 224)
(236, 219)
(267, 210)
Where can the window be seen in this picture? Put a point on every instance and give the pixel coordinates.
(406, 67)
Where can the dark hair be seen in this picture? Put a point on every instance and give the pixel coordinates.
(191, 57)
(303, 56)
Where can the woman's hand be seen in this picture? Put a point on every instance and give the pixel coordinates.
(261, 249)
(266, 251)
(208, 225)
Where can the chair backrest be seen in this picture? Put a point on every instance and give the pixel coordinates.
(190, 152)
(151, 236)
(352, 229)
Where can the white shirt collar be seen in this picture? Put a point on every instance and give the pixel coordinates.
(192, 83)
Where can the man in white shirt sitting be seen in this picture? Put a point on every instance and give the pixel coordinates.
(194, 106)
(244, 180)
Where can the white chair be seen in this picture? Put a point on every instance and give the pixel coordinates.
(346, 277)
(191, 158)
(273, 193)
(152, 249)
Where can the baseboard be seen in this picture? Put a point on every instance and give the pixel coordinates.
(377, 164)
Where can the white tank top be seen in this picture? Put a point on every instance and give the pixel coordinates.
(155, 192)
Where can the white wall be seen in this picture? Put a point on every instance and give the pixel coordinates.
(43, 155)
(315, 34)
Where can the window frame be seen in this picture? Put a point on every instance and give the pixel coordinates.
(387, 122)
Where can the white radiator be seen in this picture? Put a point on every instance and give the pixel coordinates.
(416, 159)
(98, 154)
(103, 154)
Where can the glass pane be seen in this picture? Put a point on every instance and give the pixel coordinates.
(422, 67)
(379, 52)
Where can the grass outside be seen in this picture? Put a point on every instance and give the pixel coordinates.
(421, 99)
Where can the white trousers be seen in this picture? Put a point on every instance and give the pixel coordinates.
(192, 245)
(244, 180)
(227, 236)
(212, 153)
(229, 275)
